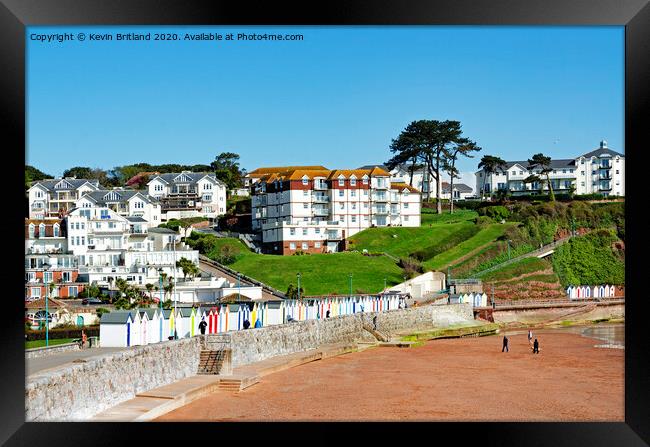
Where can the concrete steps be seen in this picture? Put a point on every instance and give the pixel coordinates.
(210, 362)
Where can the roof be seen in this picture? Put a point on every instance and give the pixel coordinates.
(368, 167)
(40, 303)
(235, 297)
(555, 164)
(116, 317)
(99, 195)
(184, 311)
(264, 171)
(401, 186)
(149, 311)
(602, 151)
(161, 230)
(297, 173)
(73, 182)
(135, 219)
(460, 187)
(347, 173)
(192, 176)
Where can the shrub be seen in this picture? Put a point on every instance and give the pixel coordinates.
(67, 332)
(483, 221)
(412, 267)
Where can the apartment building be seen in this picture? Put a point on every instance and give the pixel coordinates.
(47, 261)
(421, 180)
(110, 246)
(600, 171)
(188, 194)
(314, 209)
(54, 197)
(126, 202)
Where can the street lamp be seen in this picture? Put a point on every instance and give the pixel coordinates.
(46, 267)
(298, 275)
(508, 241)
(238, 287)
(160, 301)
(350, 285)
(384, 285)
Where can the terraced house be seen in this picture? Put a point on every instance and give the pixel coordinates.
(126, 202)
(188, 194)
(600, 171)
(314, 209)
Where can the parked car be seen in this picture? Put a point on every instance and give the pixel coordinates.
(87, 301)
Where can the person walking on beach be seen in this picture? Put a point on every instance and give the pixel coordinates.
(505, 344)
(202, 326)
(530, 336)
(536, 347)
(84, 339)
(327, 314)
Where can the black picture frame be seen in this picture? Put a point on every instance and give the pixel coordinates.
(15, 15)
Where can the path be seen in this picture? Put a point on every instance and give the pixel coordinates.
(39, 364)
(215, 269)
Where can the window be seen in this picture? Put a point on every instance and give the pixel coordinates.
(140, 205)
(112, 225)
(305, 181)
(292, 231)
(341, 182)
(305, 205)
(365, 218)
(582, 172)
(36, 292)
(582, 162)
(71, 240)
(304, 231)
(365, 204)
(342, 218)
(82, 225)
(582, 183)
(354, 206)
(41, 230)
(521, 172)
(305, 245)
(316, 244)
(317, 230)
(206, 209)
(353, 219)
(617, 171)
(78, 241)
(340, 193)
(104, 214)
(47, 276)
(406, 205)
(353, 182)
(76, 226)
(66, 276)
(305, 193)
(570, 171)
(593, 172)
(406, 218)
(207, 186)
(353, 193)
(365, 192)
(31, 231)
(365, 180)
(39, 194)
(341, 205)
(83, 240)
(30, 276)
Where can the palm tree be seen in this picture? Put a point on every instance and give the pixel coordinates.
(490, 164)
(544, 163)
(149, 288)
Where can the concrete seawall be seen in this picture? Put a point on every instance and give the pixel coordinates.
(544, 314)
(81, 390)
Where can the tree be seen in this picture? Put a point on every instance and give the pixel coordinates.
(464, 148)
(405, 152)
(78, 172)
(490, 164)
(226, 169)
(188, 268)
(150, 288)
(33, 175)
(292, 292)
(544, 163)
(430, 141)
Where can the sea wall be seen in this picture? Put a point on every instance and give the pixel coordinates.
(540, 315)
(56, 349)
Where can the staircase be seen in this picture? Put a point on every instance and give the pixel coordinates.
(378, 335)
(211, 362)
(232, 385)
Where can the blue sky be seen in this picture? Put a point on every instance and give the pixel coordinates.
(337, 98)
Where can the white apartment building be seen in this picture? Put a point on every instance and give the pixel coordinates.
(126, 202)
(54, 197)
(315, 210)
(422, 181)
(109, 246)
(601, 171)
(188, 194)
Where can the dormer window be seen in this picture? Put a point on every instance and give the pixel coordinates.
(365, 180)
(41, 230)
(31, 231)
(55, 230)
(341, 181)
(305, 180)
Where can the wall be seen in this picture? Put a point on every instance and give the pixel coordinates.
(81, 390)
(45, 351)
(254, 345)
(545, 314)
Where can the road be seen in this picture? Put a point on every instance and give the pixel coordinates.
(38, 364)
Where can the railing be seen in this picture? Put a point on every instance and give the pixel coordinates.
(320, 211)
(320, 185)
(380, 198)
(381, 211)
(320, 198)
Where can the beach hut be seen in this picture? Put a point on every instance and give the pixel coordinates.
(587, 292)
(115, 329)
(146, 325)
(601, 292)
(612, 291)
(596, 293)
(135, 328)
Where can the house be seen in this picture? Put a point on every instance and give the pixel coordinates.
(600, 171)
(126, 202)
(461, 191)
(421, 286)
(188, 194)
(53, 198)
(315, 210)
(418, 178)
(115, 329)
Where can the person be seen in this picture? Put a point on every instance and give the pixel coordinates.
(175, 334)
(258, 323)
(327, 314)
(247, 324)
(505, 344)
(202, 326)
(84, 339)
(536, 347)
(530, 336)
(374, 322)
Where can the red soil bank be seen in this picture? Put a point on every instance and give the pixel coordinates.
(452, 380)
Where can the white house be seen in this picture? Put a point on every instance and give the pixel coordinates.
(188, 194)
(461, 191)
(55, 197)
(126, 202)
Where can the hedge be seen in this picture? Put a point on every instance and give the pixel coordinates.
(91, 331)
(445, 244)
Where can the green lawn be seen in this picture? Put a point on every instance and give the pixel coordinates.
(486, 235)
(41, 343)
(428, 216)
(407, 241)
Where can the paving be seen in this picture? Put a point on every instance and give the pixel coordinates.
(158, 401)
(51, 361)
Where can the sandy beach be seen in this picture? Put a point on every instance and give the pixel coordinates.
(466, 379)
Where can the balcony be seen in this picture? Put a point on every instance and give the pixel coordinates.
(333, 235)
(380, 197)
(320, 198)
(604, 187)
(381, 211)
(382, 185)
(320, 185)
(187, 194)
(317, 211)
(138, 231)
(607, 176)
(604, 167)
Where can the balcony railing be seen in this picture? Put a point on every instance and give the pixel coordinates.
(605, 187)
(380, 197)
(320, 198)
(320, 211)
(381, 211)
(333, 235)
(137, 231)
(604, 167)
(383, 185)
(320, 186)
(190, 193)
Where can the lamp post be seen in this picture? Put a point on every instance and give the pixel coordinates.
(160, 301)
(508, 241)
(350, 285)
(298, 275)
(384, 285)
(238, 287)
(46, 267)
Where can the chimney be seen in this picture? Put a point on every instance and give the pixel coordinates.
(603, 144)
